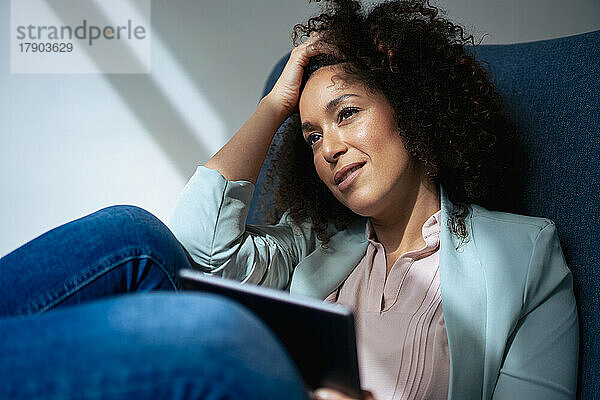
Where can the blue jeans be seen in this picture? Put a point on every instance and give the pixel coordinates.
(69, 329)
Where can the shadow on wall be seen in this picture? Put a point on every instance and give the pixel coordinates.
(181, 136)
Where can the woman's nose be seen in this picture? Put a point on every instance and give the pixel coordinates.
(333, 146)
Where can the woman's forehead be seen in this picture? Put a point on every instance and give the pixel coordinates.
(332, 77)
(326, 84)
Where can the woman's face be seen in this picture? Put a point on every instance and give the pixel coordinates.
(357, 151)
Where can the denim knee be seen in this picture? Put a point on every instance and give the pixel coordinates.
(114, 250)
(131, 224)
(126, 225)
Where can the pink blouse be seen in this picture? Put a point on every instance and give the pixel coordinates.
(401, 336)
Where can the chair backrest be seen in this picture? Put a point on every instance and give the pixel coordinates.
(552, 90)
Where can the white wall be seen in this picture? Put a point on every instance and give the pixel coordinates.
(514, 21)
(71, 144)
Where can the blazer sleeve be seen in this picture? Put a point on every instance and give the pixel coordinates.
(209, 220)
(542, 353)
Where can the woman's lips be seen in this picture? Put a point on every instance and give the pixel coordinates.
(349, 179)
(345, 171)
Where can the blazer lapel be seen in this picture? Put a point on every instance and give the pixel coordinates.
(322, 271)
(464, 297)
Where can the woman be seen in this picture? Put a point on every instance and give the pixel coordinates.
(405, 128)
(404, 131)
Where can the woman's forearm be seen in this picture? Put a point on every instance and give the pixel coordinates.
(242, 156)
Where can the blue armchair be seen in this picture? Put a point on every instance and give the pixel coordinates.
(552, 90)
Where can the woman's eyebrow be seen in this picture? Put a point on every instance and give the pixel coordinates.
(307, 126)
(333, 103)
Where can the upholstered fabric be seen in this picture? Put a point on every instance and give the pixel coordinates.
(552, 89)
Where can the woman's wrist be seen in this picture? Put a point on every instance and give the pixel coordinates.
(270, 105)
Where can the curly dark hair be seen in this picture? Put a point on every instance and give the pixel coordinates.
(449, 112)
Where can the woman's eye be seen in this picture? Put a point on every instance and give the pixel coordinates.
(346, 113)
(312, 138)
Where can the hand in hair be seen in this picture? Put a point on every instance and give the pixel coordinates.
(286, 91)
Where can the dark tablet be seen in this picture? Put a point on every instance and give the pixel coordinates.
(319, 336)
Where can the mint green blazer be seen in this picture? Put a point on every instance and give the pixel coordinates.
(507, 293)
